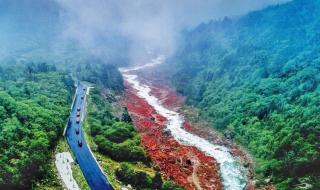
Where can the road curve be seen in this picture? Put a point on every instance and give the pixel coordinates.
(87, 162)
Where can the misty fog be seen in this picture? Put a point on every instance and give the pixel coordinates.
(105, 28)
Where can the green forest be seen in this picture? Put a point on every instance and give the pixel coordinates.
(99, 73)
(35, 103)
(257, 77)
(34, 106)
(115, 136)
(254, 78)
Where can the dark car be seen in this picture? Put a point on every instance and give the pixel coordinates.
(80, 143)
(77, 131)
(78, 114)
(78, 109)
(82, 97)
(84, 89)
(78, 120)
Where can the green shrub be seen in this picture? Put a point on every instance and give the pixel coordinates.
(169, 185)
(137, 179)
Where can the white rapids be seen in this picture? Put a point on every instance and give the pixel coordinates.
(230, 170)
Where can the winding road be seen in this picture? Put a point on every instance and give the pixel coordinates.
(87, 162)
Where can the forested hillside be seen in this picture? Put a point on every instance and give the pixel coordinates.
(35, 103)
(258, 77)
(34, 106)
(115, 136)
(99, 73)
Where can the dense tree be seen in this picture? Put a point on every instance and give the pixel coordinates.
(117, 139)
(142, 180)
(100, 73)
(258, 77)
(33, 110)
(169, 185)
(138, 179)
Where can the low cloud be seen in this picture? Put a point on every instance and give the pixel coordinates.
(147, 24)
(102, 26)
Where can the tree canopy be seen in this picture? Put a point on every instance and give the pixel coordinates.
(258, 76)
(34, 105)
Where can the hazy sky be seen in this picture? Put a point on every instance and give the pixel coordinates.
(98, 25)
(154, 23)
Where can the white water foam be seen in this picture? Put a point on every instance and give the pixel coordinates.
(230, 170)
(154, 62)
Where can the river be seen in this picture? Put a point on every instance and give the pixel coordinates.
(231, 171)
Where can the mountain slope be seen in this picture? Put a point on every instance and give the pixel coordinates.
(34, 105)
(257, 77)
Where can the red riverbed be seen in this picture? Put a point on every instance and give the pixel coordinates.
(185, 165)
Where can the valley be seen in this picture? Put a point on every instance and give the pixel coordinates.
(193, 94)
(188, 159)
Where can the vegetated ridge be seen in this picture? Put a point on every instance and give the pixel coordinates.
(256, 78)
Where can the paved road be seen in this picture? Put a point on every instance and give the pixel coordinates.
(88, 164)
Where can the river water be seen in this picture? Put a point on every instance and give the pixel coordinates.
(232, 175)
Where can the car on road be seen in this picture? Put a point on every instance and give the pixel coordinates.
(80, 143)
(78, 113)
(78, 120)
(79, 108)
(84, 89)
(82, 97)
(77, 131)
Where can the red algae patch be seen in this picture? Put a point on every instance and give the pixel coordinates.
(186, 165)
(168, 97)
